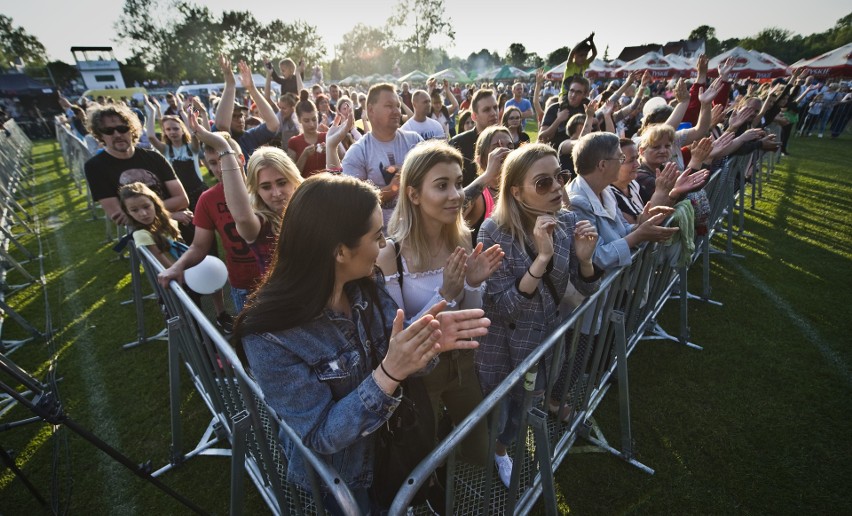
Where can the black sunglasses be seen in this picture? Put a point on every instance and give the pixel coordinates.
(123, 129)
(544, 184)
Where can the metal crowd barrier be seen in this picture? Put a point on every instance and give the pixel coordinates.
(623, 313)
(16, 223)
(76, 153)
(242, 419)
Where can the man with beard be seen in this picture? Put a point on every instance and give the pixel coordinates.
(484, 113)
(233, 116)
(121, 163)
(378, 156)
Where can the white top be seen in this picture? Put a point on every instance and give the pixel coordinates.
(420, 292)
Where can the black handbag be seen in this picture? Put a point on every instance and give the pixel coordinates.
(404, 440)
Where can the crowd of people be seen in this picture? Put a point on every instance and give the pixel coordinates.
(375, 236)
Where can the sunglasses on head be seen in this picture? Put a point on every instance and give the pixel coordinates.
(543, 185)
(122, 129)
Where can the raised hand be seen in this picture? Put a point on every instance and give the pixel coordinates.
(740, 117)
(707, 96)
(585, 240)
(454, 274)
(726, 66)
(701, 67)
(212, 140)
(646, 79)
(700, 150)
(227, 70)
(481, 264)
(686, 182)
(721, 146)
(681, 91)
(666, 178)
(340, 127)
(245, 75)
(495, 165)
(539, 76)
(591, 108)
(717, 115)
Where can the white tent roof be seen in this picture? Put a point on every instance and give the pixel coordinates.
(749, 63)
(656, 63)
(834, 62)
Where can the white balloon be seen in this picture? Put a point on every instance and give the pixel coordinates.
(207, 277)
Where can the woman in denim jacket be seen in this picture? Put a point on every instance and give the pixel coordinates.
(546, 248)
(311, 330)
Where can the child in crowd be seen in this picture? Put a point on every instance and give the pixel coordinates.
(153, 226)
(579, 59)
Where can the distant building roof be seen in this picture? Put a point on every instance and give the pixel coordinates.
(631, 53)
(683, 47)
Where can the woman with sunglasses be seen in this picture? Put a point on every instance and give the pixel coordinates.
(546, 248)
(513, 120)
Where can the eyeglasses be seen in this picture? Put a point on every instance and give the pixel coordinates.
(109, 131)
(543, 185)
(619, 159)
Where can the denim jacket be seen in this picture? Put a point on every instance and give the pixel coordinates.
(318, 378)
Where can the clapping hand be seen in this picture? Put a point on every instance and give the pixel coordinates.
(340, 127)
(227, 71)
(687, 182)
(481, 264)
(454, 274)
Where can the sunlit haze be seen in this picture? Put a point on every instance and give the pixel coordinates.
(62, 24)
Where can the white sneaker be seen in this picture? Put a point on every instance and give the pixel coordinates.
(820, 135)
(504, 468)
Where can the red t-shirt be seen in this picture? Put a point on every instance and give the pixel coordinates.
(316, 162)
(211, 213)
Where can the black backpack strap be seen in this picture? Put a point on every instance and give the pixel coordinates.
(398, 250)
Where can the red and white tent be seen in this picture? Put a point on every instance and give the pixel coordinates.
(836, 63)
(656, 63)
(749, 63)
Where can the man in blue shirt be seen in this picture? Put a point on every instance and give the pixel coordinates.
(521, 103)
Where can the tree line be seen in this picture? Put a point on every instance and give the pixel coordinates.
(176, 40)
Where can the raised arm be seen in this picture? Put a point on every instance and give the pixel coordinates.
(267, 114)
(236, 194)
(226, 102)
(153, 110)
(267, 89)
(704, 117)
(682, 95)
(452, 98)
(539, 80)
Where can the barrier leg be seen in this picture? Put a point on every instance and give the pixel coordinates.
(238, 461)
(538, 421)
(138, 299)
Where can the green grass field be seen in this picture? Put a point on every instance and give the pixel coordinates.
(759, 422)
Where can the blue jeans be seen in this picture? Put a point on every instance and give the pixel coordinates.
(239, 296)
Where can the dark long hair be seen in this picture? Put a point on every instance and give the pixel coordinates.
(325, 212)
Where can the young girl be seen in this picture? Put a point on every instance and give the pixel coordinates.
(181, 149)
(430, 259)
(154, 227)
(309, 147)
(257, 202)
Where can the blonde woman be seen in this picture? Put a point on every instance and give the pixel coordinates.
(428, 259)
(257, 203)
(546, 248)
